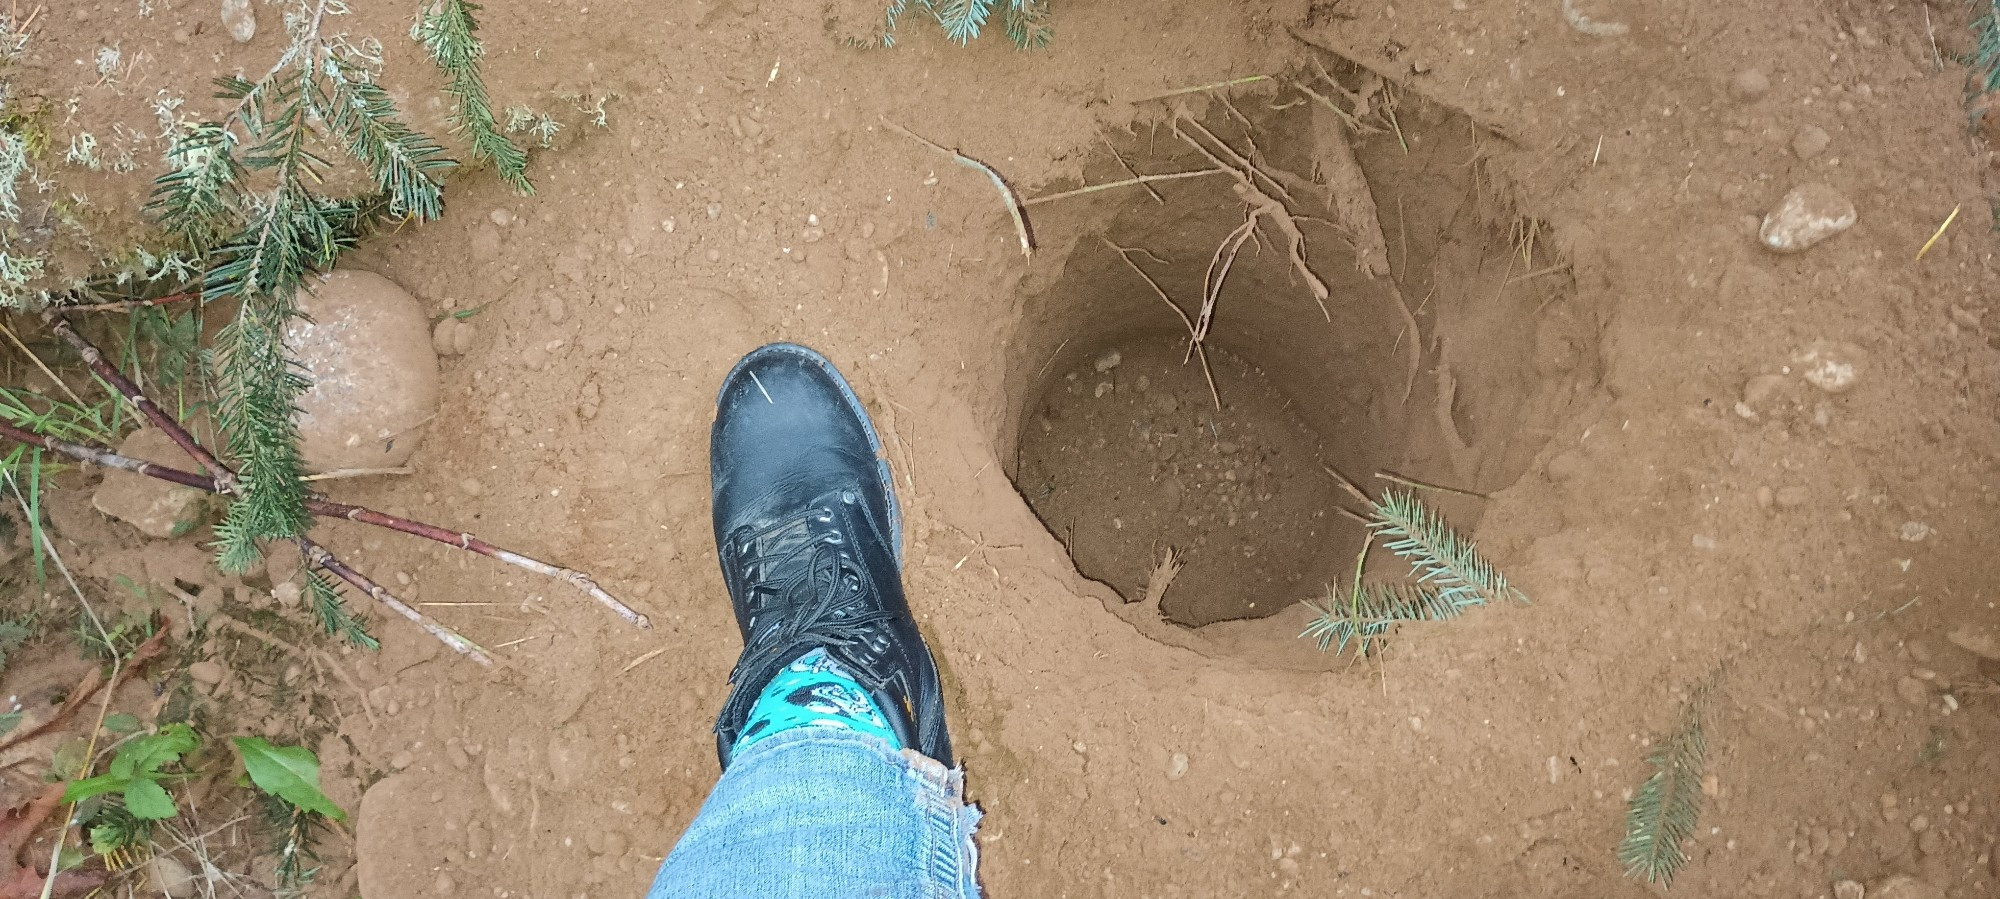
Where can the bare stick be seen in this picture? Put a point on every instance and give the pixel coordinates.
(16, 341)
(1129, 170)
(318, 556)
(129, 305)
(99, 455)
(1203, 88)
(1218, 271)
(1160, 292)
(225, 478)
(1348, 484)
(470, 543)
(1248, 167)
(225, 482)
(1129, 182)
(1395, 478)
(1006, 192)
(1262, 205)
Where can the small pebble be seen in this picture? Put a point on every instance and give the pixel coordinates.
(1913, 691)
(1849, 889)
(1765, 497)
(501, 217)
(471, 487)
(1703, 541)
(553, 306)
(443, 886)
(1792, 497)
(1177, 766)
(401, 760)
(1805, 217)
(239, 17)
(169, 876)
(1108, 361)
(1914, 532)
(207, 671)
(1103, 387)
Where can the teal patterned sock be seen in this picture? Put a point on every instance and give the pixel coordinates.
(814, 691)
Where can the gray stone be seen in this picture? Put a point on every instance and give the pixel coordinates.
(239, 17)
(1805, 217)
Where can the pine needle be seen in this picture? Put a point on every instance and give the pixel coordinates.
(1660, 819)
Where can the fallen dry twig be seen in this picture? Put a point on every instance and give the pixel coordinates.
(1014, 206)
(1194, 341)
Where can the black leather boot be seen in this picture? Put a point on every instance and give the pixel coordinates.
(810, 541)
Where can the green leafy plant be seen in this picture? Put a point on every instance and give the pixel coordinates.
(135, 773)
(1450, 576)
(290, 773)
(295, 806)
(1027, 21)
(1661, 816)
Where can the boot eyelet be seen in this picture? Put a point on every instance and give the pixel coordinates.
(849, 497)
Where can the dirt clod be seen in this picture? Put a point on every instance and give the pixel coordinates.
(157, 508)
(1749, 84)
(1810, 141)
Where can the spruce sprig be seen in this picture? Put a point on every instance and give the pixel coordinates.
(1450, 576)
(1027, 21)
(331, 610)
(407, 164)
(1660, 819)
(1368, 611)
(246, 198)
(1438, 556)
(448, 30)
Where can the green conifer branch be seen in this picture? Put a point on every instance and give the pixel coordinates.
(1438, 556)
(1661, 817)
(1029, 24)
(198, 201)
(1027, 21)
(447, 29)
(332, 610)
(1450, 577)
(406, 163)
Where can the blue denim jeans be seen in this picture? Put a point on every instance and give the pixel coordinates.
(822, 813)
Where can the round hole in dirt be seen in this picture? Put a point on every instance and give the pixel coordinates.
(1445, 346)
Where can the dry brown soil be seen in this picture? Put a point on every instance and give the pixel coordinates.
(1586, 382)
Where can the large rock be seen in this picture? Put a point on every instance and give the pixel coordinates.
(157, 508)
(367, 347)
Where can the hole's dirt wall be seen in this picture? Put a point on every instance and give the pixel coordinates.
(1502, 350)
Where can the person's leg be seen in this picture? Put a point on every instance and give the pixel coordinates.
(837, 778)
